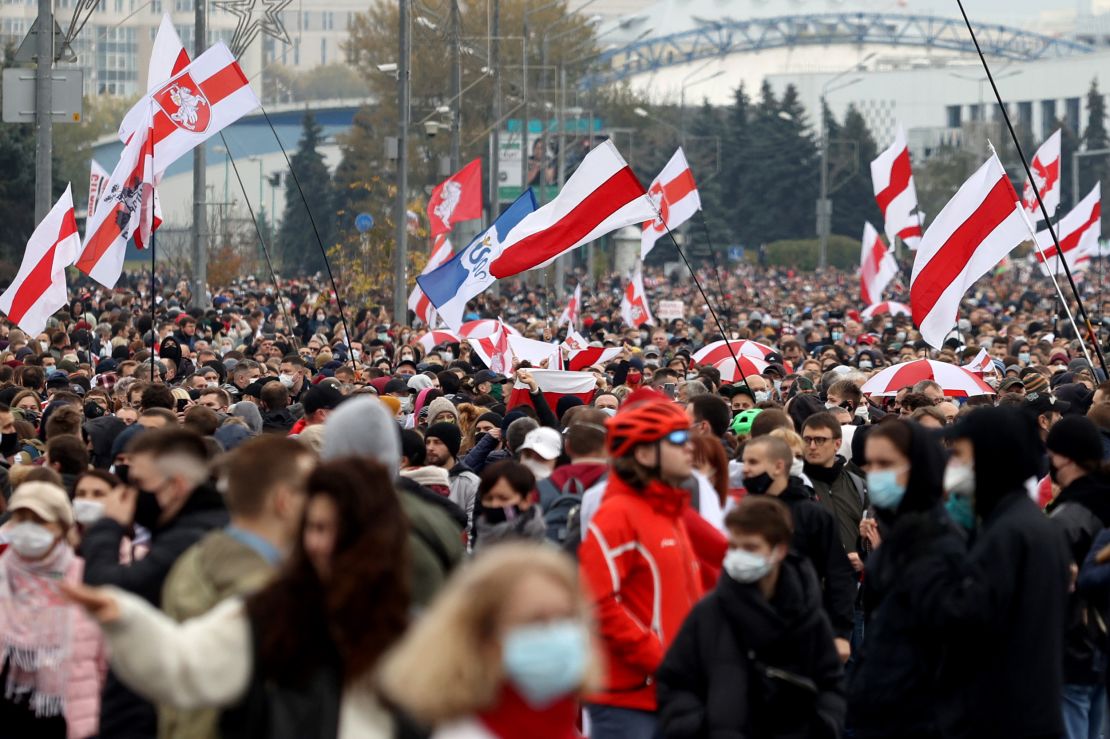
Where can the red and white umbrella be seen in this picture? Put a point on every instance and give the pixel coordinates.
(483, 328)
(748, 366)
(719, 351)
(433, 339)
(956, 381)
(889, 306)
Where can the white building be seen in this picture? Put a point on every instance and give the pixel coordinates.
(114, 46)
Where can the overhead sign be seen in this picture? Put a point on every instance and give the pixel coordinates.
(19, 95)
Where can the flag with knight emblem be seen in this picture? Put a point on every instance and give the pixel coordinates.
(634, 304)
(456, 199)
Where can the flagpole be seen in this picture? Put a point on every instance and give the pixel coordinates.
(319, 239)
(697, 283)
(1055, 284)
(1037, 192)
(261, 240)
(153, 320)
(712, 251)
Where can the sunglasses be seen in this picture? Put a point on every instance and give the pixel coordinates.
(678, 438)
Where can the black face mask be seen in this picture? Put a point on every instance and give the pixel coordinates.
(479, 436)
(758, 484)
(147, 510)
(9, 444)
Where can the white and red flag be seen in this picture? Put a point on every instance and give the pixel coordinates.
(39, 288)
(574, 305)
(601, 196)
(675, 195)
(981, 364)
(494, 350)
(979, 226)
(1079, 232)
(167, 58)
(456, 199)
(554, 384)
(432, 339)
(418, 301)
(125, 210)
(892, 178)
(574, 341)
(1046, 175)
(98, 180)
(205, 97)
(876, 268)
(592, 355)
(634, 305)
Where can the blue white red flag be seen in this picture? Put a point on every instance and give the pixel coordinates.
(468, 272)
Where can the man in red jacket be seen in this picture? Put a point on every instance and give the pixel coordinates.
(637, 560)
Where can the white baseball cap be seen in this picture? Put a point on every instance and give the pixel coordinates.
(543, 441)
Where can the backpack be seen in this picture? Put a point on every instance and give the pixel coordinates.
(559, 506)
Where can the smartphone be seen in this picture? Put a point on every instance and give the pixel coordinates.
(669, 389)
(182, 404)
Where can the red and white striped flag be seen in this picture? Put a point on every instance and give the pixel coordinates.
(601, 196)
(892, 178)
(39, 288)
(877, 266)
(675, 195)
(574, 341)
(1079, 232)
(979, 226)
(554, 384)
(1046, 175)
(167, 58)
(634, 304)
(591, 355)
(98, 180)
(433, 339)
(418, 301)
(570, 313)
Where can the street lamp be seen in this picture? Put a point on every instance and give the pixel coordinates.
(824, 205)
(981, 78)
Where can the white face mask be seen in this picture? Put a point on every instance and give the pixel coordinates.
(31, 540)
(959, 478)
(539, 469)
(87, 511)
(745, 567)
(762, 396)
(287, 380)
(797, 467)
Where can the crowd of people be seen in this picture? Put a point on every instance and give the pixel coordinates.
(271, 518)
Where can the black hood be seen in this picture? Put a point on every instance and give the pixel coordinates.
(1008, 452)
(103, 432)
(796, 601)
(926, 484)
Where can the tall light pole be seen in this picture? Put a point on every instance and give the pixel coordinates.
(199, 232)
(400, 251)
(824, 204)
(44, 106)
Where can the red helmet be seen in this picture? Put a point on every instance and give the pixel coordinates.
(646, 416)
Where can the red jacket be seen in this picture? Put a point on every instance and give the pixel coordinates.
(640, 568)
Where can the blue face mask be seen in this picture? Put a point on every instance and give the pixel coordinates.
(885, 490)
(960, 510)
(546, 662)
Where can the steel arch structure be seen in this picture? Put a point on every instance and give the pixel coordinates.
(727, 36)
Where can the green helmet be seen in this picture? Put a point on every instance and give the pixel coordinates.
(742, 424)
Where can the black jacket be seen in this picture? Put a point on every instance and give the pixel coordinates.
(123, 714)
(1007, 617)
(815, 537)
(742, 666)
(1080, 512)
(900, 682)
(278, 422)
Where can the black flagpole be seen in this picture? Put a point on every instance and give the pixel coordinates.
(153, 302)
(262, 241)
(319, 240)
(1036, 191)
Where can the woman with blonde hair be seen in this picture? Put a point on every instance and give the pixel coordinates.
(505, 651)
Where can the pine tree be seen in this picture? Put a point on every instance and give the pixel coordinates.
(297, 242)
(736, 169)
(1095, 168)
(782, 170)
(1069, 144)
(705, 142)
(854, 198)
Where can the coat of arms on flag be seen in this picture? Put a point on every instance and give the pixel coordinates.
(182, 100)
